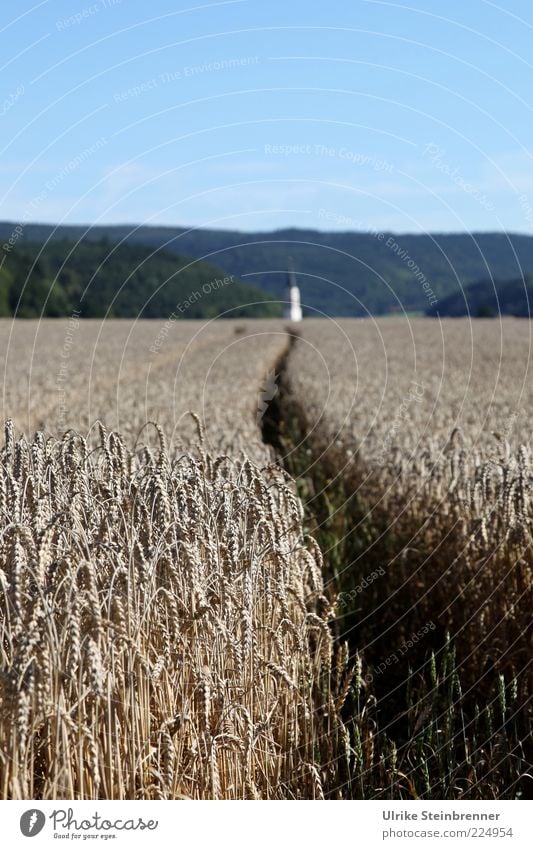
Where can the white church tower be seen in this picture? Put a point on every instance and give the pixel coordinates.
(292, 308)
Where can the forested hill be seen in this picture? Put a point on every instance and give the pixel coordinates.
(340, 273)
(488, 299)
(99, 279)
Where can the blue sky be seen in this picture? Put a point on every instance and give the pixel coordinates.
(257, 115)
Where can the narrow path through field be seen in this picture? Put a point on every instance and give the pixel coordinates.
(421, 690)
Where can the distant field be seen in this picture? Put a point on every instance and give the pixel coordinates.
(472, 375)
(320, 586)
(60, 374)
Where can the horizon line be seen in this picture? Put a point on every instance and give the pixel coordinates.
(368, 232)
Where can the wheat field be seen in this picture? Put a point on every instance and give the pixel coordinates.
(418, 443)
(437, 442)
(240, 562)
(71, 373)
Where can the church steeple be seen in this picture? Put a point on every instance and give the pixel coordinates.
(292, 310)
